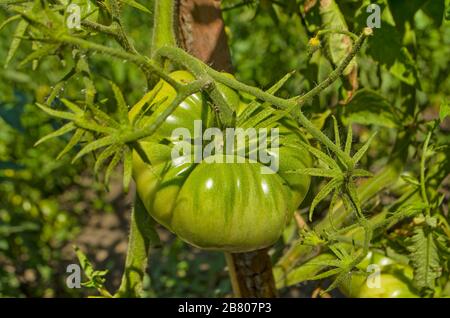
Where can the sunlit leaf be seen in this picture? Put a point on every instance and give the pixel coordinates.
(99, 143)
(112, 164)
(61, 131)
(105, 154)
(425, 259)
(127, 168)
(136, 5)
(18, 34)
(323, 193)
(368, 107)
(360, 153)
(76, 138)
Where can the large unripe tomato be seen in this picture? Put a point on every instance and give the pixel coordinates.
(233, 207)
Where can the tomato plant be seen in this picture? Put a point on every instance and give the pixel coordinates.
(232, 207)
(342, 166)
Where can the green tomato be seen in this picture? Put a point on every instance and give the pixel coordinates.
(230, 207)
(390, 286)
(394, 279)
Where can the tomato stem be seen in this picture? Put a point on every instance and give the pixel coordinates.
(140, 239)
(163, 25)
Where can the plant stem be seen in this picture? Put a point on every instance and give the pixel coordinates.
(115, 30)
(142, 236)
(423, 190)
(352, 35)
(163, 30)
(334, 75)
(244, 268)
(147, 65)
(197, 67)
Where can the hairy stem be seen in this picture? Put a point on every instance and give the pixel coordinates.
(146, 64)
(142, 236)
(163, 31)
(197, 67)
(334, 75)
(423, 190)
(115, 30)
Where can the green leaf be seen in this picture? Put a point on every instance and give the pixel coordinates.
(403, 11)
(7, 21)
(274, 88)
(113, 163)
(339, 45)
(137, 110)
(367, 107)
(102, 116)
(57, 113)
(90, 90)
(353, 195)
(18, 34)
(318, 119)
(99, 143)
(258, 118)
(271, 121)
(320, 155)
(61, 131)
(122, 107)
(349, 140)
(43, 51)
(317, 172)
(362, 173)
(377, 48)
(444, 110)
(140, 240)
(360, 153)
(425, 259)
(136, 5)
(127, 168)
(309, 269)
(326, 274)
(96, 279)
(323, 193)
(435, 10)
(404, 68)
(76, 138)
(255, 105)
(105, 154)
(251, 108)
(337, 137)
(411, 180)
(72, 106)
